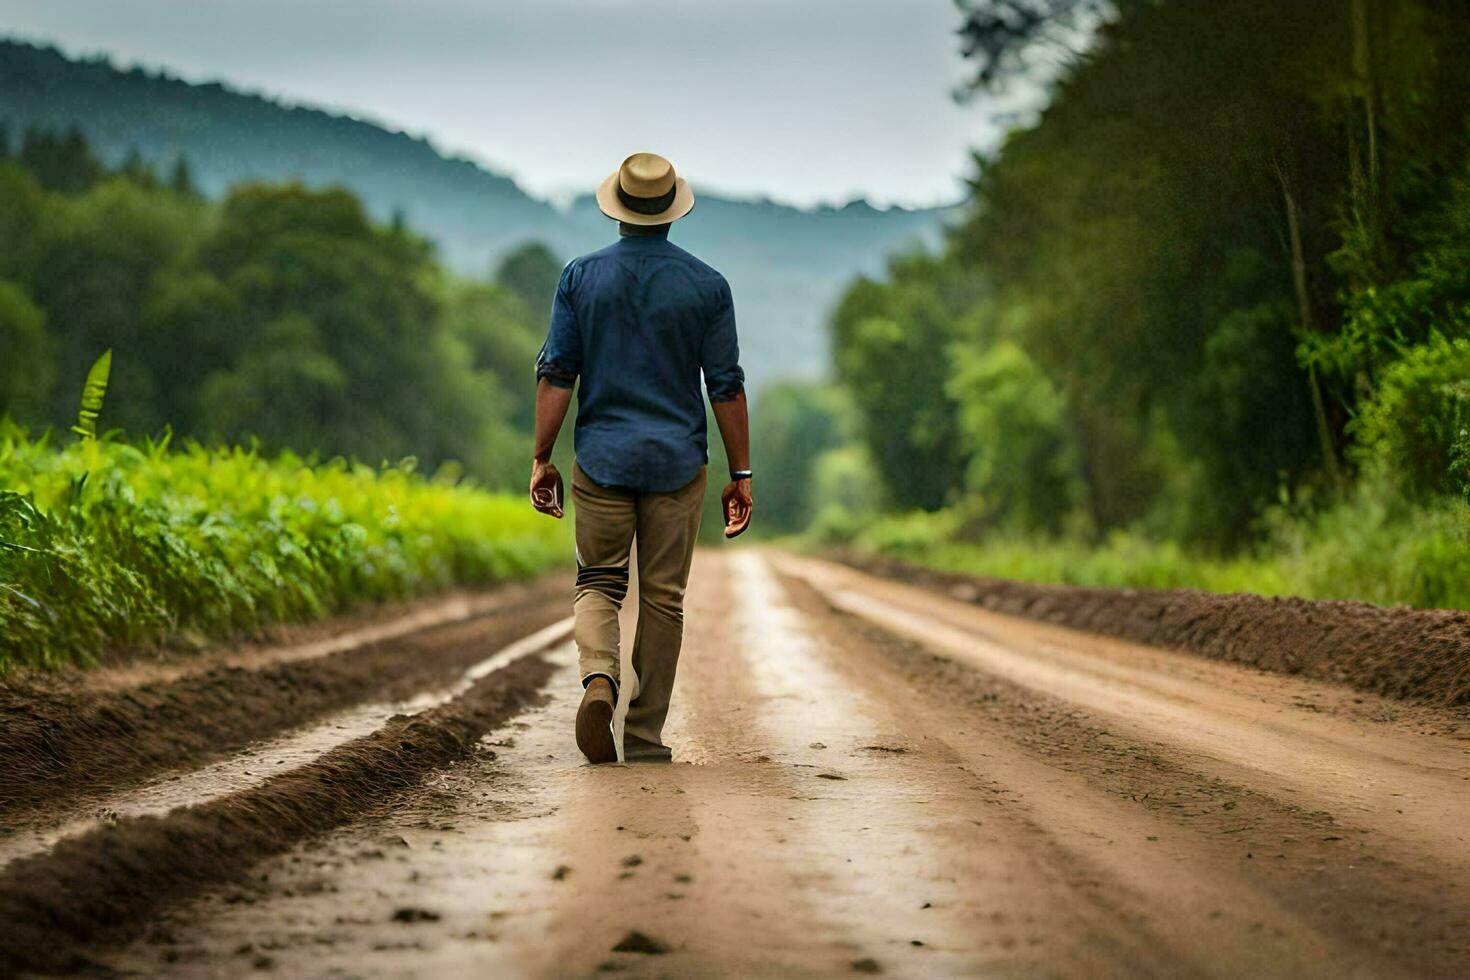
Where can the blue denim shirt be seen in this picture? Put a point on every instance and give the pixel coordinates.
(639, 321)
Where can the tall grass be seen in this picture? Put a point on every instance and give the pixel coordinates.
(1375, 546)
(108, 545)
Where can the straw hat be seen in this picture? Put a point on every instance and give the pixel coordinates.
(645, 191)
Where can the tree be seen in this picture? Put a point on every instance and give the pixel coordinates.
(998, 34)
(25, 370)
(136, 169)
(1014, 424)
(100, 255)
(531, 272)
(1186, 277)
(62, 163)
(495, 326)
(181, 178)
(891, 349)
(23, 210)
(382, 374)
(1417, 428)
(792, 425)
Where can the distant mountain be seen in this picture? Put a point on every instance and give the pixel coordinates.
(786, 265)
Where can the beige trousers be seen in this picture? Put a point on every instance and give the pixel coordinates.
(664, 525)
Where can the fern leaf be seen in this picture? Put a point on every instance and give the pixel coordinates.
(93, 392)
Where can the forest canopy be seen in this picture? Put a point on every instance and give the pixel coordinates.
(1216, 296)
(279, 313)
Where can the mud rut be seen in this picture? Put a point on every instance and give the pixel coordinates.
(871, 778)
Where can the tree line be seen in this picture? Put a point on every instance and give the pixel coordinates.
(1224, 276)
(280, 313)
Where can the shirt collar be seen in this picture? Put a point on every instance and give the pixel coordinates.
(643, 231)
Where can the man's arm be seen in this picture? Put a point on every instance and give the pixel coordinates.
(557, 367)
(739, 501)
(546, 483)
(725, 381)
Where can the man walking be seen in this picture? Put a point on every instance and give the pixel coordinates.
(638, 321)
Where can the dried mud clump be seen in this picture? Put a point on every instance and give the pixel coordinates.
(1413, 654)
(637, 942)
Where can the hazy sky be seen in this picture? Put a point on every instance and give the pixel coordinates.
(800, 100)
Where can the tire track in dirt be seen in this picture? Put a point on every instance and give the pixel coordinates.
(1345, 883)
(104, 884)
(1411, 786)
(68, 744)
(1102, 896)
(257, 763)
(842, 801)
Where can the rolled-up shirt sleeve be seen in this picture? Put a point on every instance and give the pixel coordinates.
(720, 356)
(560, 360)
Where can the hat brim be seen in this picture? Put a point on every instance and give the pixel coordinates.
(613, 207)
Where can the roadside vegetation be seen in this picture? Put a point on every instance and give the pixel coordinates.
(282, 335)
(278, 313)
(106, 545)
(1206, 321)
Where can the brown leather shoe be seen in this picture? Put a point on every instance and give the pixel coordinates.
(594, 722)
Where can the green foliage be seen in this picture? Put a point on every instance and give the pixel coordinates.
(1228, 258)
(280, 314)
(25, 372)
(1387, 316)
(502, 340)
(1417, 427)
(1013, 425)
(61, 162)
(1373, 546)
(531, 273)
(1377, 545)
(99, 254)
(891, 349)
(105, 545)
(94, 391)
(788, 264)
(793, 426)
(181, 178)
(845, 491)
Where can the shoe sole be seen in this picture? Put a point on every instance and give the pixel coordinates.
(594, 732)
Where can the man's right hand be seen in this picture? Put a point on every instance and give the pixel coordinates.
(546, 488)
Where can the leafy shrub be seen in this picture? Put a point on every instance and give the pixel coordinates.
(106, 545)
(1416, 424)
(1013, 426)
(1376, 545)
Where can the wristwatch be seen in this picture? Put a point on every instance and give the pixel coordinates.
(740, 474)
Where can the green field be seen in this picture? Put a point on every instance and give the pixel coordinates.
(108, 545)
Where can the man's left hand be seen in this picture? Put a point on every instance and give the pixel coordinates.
(739, 504)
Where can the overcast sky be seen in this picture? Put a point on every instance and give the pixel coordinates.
(803, 101)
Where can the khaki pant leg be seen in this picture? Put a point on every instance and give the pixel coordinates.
(606, 519)
(668, 524)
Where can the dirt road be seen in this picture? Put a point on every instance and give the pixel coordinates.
(869, 778)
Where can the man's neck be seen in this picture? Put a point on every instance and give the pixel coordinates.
(642, 231)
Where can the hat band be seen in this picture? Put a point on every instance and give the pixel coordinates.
(647, 205)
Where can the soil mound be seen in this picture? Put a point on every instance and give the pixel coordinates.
(59, 738)
(100, 886)
(1413, 654)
